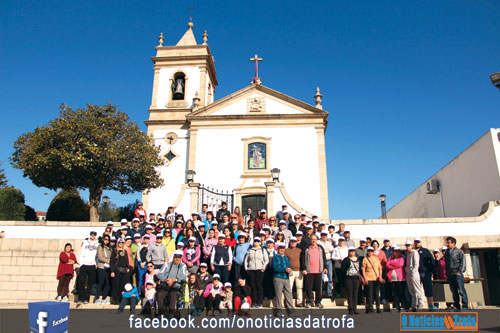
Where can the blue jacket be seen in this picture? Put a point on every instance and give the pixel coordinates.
(240, 252)
(280, 264)
(129, 294)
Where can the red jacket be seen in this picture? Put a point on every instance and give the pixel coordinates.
(140, 212)
(64, 267)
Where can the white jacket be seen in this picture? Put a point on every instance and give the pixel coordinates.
(88, 255)
(328, 246)
(339, 253)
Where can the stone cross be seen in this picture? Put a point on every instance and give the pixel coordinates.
(256, 59)
(170, 139)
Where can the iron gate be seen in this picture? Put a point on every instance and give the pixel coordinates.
(213, 198)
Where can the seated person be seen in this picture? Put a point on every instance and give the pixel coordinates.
(129, 296)
(149, 300)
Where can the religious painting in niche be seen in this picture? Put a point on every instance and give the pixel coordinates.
(178, 86)
(257, 156)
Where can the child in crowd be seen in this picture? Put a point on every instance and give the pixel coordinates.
(129, 296)
(227, 298)
(149, 300)
(196, 301)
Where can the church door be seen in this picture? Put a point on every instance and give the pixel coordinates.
(256, 202)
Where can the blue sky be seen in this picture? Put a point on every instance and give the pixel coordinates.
(406, 83)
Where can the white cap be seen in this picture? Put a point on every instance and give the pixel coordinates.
(123, 220)
(234, 222)
(203, 264)
(216, 276)
(146, 237)
(370, 248)
(324, 232)
(299, 233)
(192, 239)
(135, 219)
(417, 239)
(200, 224)
(436, 250)
(137, 235)
(309, 227)
(222, 236)
(387, 239)
(110, 223)
(128, 237)
(351, 248)
(293, 239)
(362, 240)
(408, 242)
(121, 240)
(342, 238)
(270, 240)
(266, 228)
(396, 248)
(444, 248)
(194, 213)
(282, 222)
(322, 223)
(123, 228)
(177, 253)
(285, 212)
(149, 227)
(227, 284)
(214, 222)
(281, 244)
(180, 244)
(241, 234)
(262, 233)
(128, 287)
(263, 211)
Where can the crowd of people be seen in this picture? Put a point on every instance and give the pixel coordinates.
(233, 262)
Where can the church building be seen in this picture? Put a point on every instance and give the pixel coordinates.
(241, 149)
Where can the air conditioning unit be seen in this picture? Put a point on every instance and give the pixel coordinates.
(433, 186)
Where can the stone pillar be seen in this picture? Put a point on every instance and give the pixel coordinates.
(155, 88)
(195, 187)
(270, 197)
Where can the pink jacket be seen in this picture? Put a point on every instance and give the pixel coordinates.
(209, 289)
(208, 244)
(396, 265)
(440, 270)
(195, 258)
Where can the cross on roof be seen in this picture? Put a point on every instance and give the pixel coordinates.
(256, 59)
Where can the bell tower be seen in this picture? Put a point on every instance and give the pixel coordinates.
(184, 77)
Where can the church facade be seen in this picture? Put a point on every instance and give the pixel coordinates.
(255, 148)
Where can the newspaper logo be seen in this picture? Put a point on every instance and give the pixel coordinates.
(435, 321)
(48, 317)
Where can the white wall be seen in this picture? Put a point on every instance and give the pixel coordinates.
(468, 182)
(164, 84)
(173, 175)
(294, 150)
(272, 107)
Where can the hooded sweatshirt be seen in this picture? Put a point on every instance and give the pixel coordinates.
(89, 252)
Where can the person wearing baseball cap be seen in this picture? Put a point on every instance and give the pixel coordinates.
(221, 258)
(361, 250)
(395, 277)
(413, 277)
(157, 253)
(240, 252)
(86, 277)
(339, 254)
(226, 298)
(223, 211)
(296, 277)
(140, 211)
(170, 277)
(313, 264)
(426, 270)
(372, 271)
(255, 264)
(328, 247)
(351, 268)
(212, 294)
(261, 220)
(136, 229)
(282, 270)
(191, 255)
(439, 264)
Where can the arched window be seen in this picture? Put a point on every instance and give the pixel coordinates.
(178, 86)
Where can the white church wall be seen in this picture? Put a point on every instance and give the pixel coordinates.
(288, 145)
(468, 182)
(272, 107)
(173, 174)
(164, 84)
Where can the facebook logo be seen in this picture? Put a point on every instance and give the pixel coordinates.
(48, 317)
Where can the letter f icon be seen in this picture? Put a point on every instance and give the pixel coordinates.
(42, 323)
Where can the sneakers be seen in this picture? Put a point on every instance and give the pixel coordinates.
(319, 305)
(98, 301)
(59, 298)
(85, 302)
(65, 299)
(307, 305)
(106, 301)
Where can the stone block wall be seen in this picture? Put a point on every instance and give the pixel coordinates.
(28, 268)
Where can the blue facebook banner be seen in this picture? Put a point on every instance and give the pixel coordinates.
(49, 317)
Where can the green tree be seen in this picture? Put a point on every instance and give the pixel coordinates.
(12, 206)
(108, 212)
(3, 178)
(95, 148)
(128, 211)
(67, 205)
(30, 214)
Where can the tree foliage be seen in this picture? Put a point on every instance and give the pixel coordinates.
(3, 178)
(30, 214)
(108, 212)
(128, 211)
(12, 206)
(67, 205)
(96, 148)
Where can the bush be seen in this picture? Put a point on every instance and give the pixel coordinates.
(30, 214)
(12, 206)
(128, 211)
(67, 205)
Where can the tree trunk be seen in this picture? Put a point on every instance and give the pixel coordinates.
(94, 201)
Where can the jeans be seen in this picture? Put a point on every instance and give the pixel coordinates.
(329, 267)
(223, 272)
(103, 283)
(458, 290)
(125, 300)
(352, 285)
